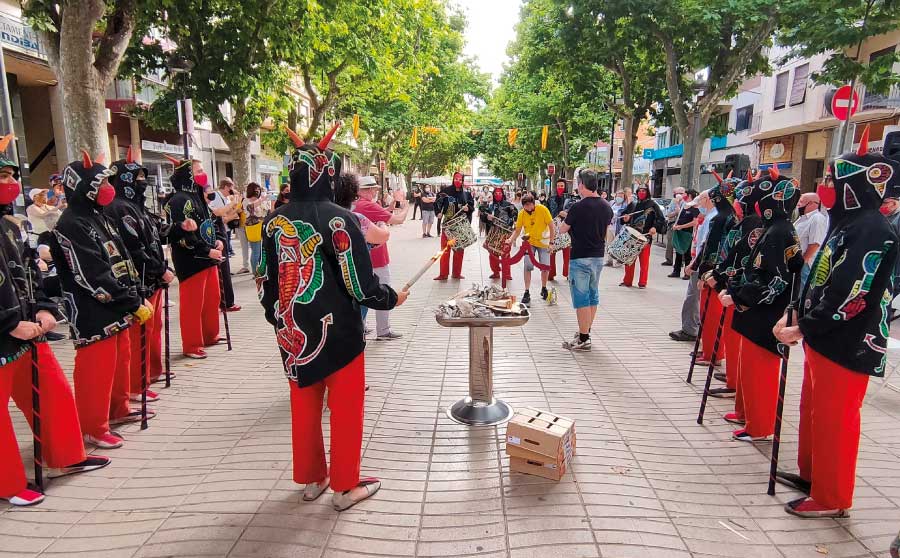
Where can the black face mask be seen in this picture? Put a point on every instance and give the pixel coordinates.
(211, 197)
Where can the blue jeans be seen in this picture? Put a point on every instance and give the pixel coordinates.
(584, 281)
(255, 253)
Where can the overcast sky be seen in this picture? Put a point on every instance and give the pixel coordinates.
(490, 29)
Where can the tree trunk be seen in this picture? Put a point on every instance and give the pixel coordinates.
(693, 152)
(240, 158)
(630, 124)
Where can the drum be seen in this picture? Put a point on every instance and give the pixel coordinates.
(459, 229)
(627, 245)
(560, 241)
(494, 241)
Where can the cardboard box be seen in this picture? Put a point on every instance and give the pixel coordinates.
(540, 443)
(548, 470)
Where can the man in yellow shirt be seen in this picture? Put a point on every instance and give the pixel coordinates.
(540, 230)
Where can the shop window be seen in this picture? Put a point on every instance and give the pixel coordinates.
(743, 118)
(662, 140)
(781, 90)
(798, 88)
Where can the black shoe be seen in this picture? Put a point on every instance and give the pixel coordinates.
(673, 274)
(682, 335)
(92, 463)
(722, 393)
(794, 481)
(686, 278)
(53, 336)
(526, 298)
(667, 263)
(544, 293)
(720, 376)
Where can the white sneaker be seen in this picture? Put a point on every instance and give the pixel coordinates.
(577, 344)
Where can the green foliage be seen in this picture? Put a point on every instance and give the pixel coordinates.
(840, 34)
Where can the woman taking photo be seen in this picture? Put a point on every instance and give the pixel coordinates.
(256, 208)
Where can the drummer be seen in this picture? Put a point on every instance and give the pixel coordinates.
(557, 204)
(538, 225)
(646, 217)
(498, 212)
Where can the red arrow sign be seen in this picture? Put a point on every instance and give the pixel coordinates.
(841, 105)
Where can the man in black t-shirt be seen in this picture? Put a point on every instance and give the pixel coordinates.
(586, 222)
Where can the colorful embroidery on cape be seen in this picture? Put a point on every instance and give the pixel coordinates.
(343, 247)
(300, 276)
(855, 302)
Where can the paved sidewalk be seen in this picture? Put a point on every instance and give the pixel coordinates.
(212, 475)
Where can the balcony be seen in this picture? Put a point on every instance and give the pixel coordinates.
(873, 101)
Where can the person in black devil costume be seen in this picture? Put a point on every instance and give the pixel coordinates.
(648, 221)
(760, 297)
(557, 203)
(450, 201)
(734, 253)
(316, 272)
(501, 211)
(21, 327)
(141, 236)
(844, 327)
(196, 252)
(100, 290)
(707, 258)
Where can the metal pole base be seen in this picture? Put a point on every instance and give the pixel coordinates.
(480, 413)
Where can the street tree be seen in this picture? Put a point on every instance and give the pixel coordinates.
(85, 43)
(238, 53)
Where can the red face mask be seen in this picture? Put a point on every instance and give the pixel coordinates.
(560, 190)
(457, 181)
(885, 210)
(498, 197)
(642, 195)
(201, 179)
(105, 195)
(9, 191)
(827, 195)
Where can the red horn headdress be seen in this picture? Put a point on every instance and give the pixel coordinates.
(773, 171)
(86, 159)
(323, 144)
(297, 140)
(863, 142)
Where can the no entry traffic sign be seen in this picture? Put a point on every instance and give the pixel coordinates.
(841, 106)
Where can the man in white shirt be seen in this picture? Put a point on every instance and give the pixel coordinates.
(812, 227)
(690, 309)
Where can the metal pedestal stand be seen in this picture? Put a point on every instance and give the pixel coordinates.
(480, 408)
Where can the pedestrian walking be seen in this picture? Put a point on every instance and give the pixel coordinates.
(586, 222)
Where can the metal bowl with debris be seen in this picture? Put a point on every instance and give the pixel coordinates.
(482, 302)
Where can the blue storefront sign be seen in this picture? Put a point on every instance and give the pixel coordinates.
(17, 36)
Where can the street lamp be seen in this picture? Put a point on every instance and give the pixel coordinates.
(178, 65)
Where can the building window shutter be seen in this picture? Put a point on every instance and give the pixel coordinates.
(781, 86)
(798, 89)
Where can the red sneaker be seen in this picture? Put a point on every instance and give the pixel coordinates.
(105, 441)
(733, 418)
(809, 508)
(151, 396)
(198, 354)
(26, 498)
(233, 308)
(440, 278)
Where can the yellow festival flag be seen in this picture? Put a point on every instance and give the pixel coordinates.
(414, 140)
(431, 130)
(355, 126)
(511, 136)
(545, 131)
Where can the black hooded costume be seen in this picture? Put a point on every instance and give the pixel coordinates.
(503, 211)
(648, 214)
(724, 222)
(844, 315)
(317, 273)
(764, 288)
(136, 228)
(190, 249)
(450, 200)
(741, 239)
(98, 280)
(14, 282)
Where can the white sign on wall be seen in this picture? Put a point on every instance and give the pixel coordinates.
(17, 36)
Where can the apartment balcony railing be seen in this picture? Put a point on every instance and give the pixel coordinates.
(891, 100)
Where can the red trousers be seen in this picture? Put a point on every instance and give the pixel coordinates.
(497, 267)
(199, 299)
(346, 400)
(732, 343)
(62, 443)
(830, 402)
(644, 259)
(154, 346)
(757, 392)
(102, 381)
(710, 323)
(566, 253)
(445, 260)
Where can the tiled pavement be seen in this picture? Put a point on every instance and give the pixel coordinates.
(212, 477)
